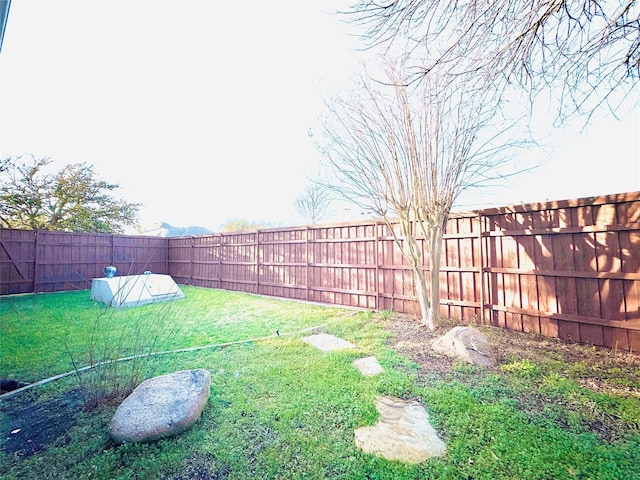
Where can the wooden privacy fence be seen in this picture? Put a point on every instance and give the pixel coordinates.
(568, 269)
(44, 261)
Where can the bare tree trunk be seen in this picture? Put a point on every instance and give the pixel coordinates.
(435, 249)
(422, 292)
(412, 252)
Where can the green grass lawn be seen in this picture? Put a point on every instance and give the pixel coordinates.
(279, 408)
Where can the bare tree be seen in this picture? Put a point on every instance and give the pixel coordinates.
(314, 203)
(406, 152)
(586, 48)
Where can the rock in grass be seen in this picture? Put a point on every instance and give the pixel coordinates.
(161, 407)
(403, 432)
(468, 344)
(368, 366)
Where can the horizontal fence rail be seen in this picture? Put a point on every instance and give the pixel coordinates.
(567, 269)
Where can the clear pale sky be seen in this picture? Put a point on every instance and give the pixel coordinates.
(201, 110)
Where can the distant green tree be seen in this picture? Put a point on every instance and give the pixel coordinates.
(239, 225)
(72, 200)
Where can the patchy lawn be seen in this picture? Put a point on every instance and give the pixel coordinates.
(280, 408)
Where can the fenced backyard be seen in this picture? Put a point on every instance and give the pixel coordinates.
(567, 269)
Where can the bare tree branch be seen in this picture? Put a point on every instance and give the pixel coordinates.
(587, 48)
(313, 204)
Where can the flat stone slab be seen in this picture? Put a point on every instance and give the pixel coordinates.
(403, 432)
(327, 342)
(161, 406)
(368, 366)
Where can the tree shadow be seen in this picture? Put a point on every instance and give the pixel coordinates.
(567, 269)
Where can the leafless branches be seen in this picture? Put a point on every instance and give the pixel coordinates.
(587, 48)
(313, 204)
(407, 151)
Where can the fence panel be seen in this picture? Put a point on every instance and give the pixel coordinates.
(461, 269)
(68, 261)
(17, 261)
(398, 292)
(134, 255)
(282, 263)
(46, 261)
(569, 269)
(180, 257)
(206, 261)
(342, 265)
(238, 257)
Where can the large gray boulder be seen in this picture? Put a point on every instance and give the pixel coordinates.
(468, 344)
(161, 406)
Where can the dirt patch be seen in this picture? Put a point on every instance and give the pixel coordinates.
(599, 369)
(203, 466)
(29, 426)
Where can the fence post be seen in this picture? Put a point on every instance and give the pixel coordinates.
(257, 258)
(191, 262)
(306, 257)
(481, 265)
(489, 258)
(35, 260)
(113, 250)
(166, 256)
(377, 263)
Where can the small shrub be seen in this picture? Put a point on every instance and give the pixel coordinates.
(115, 362)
